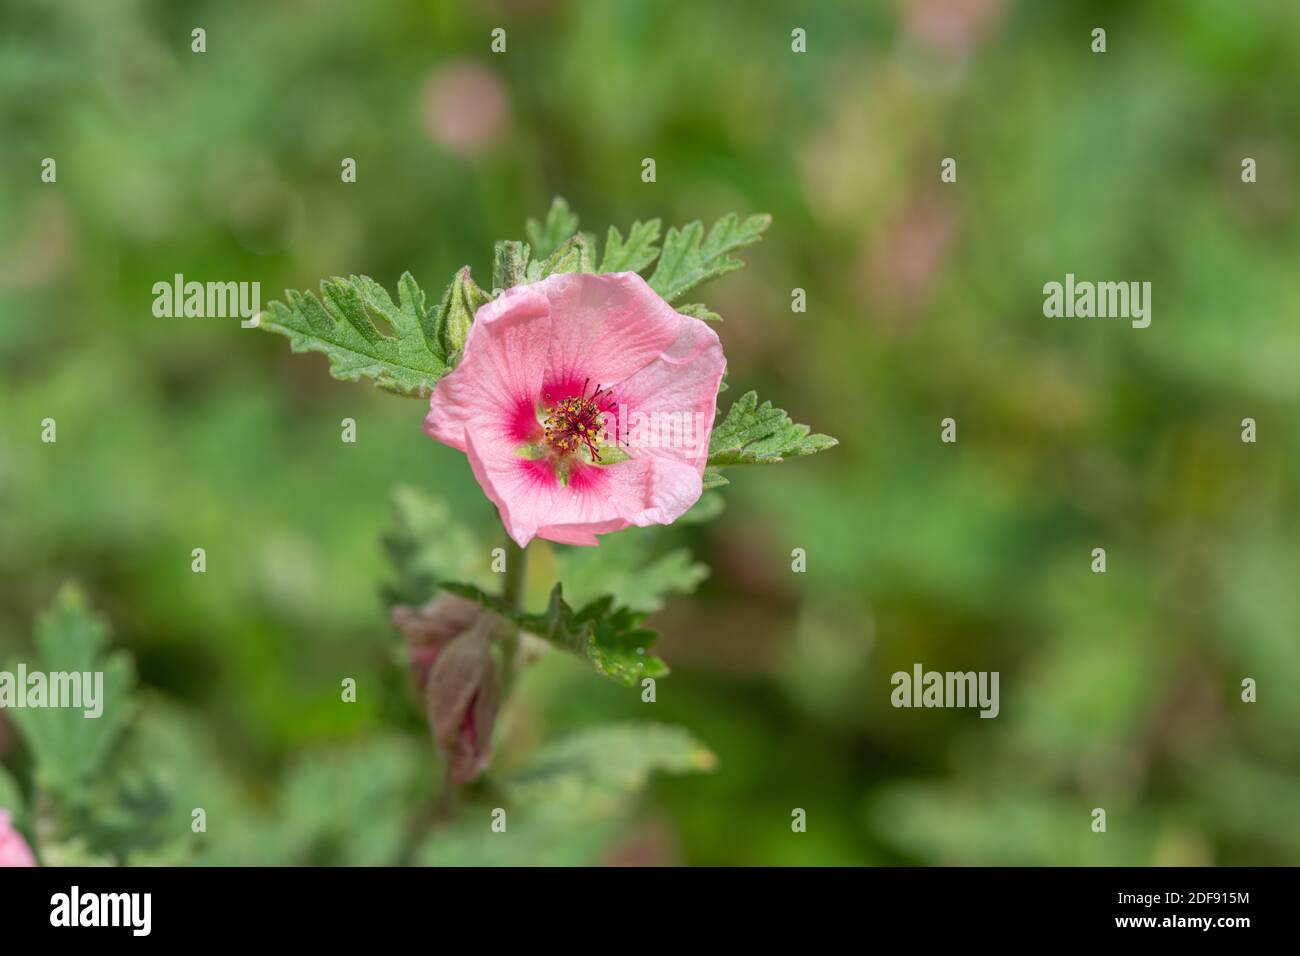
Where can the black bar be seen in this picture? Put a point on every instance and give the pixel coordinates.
(334, 906)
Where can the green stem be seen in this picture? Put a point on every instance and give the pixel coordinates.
(513, 593)
(516, 565)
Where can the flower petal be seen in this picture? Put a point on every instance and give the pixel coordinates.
(605, 328)
(674, 399)
(640, 491)
(494, 390)
(524, 491)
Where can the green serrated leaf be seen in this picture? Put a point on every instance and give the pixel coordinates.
(611, 638)
(689, 257)
(573, 255)
(68, 747)
(408, 362)
(346, 300)
(509, 264)
(590, 243)
(760, 434)
(636, 253)
(561, 223)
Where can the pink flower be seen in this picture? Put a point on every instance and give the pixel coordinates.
(585, 405)
(450, 643)
(13, 848)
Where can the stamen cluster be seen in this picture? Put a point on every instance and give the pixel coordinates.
(577, 422)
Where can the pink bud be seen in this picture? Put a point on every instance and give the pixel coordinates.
(462, 698)
(13, 848)
(450, 642)
(431, 627)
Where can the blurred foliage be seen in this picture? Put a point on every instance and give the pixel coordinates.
(1119, 690)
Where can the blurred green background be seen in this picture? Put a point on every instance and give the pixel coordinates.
(1119, 690)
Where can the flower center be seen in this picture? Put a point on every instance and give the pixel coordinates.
(575, 423)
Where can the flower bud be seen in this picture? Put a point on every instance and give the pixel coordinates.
(461, 301)
(450, 641)
(430, 628)
(462, 699)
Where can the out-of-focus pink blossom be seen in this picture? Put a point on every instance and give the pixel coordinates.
(464, 108)
(909, 251)
(952, 27)
(14, 850)
(450, 645)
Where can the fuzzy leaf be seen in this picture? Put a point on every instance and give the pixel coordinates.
(69, 748)
(759, 434)
(509, 265)
(636, 253)
(573, 255)
(611, 638)
(408, 362)
(561, 224)
(689, 257)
